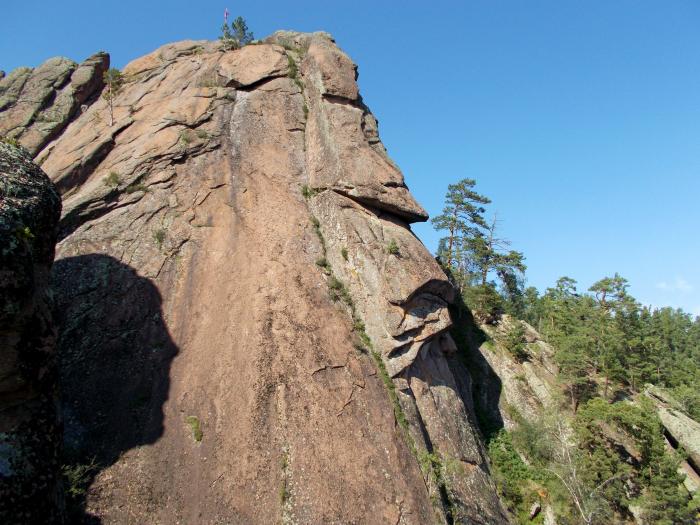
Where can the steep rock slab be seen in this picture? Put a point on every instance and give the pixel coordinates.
(11, 86)
(36, 105)
(449, 432)
(203, 361)
(30, 487)
(402, 297)
(684, 430)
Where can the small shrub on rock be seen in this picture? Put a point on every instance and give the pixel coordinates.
(11, 141)
(514, 342)
(392, 248)
(159, 236)
(308, 192)
(196, 427)
(113, 179)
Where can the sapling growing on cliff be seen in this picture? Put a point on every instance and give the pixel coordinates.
(392, 248)
(237, 35)
(113, 80)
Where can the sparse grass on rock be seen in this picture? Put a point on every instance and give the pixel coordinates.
(196, 427)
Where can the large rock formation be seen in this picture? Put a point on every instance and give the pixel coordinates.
(235, 261)
(30, 490)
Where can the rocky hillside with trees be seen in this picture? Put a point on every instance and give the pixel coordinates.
(588, 401)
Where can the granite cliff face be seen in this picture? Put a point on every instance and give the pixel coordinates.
(249, 330)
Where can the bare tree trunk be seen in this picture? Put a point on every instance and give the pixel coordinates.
(605, 389)
(449, 247)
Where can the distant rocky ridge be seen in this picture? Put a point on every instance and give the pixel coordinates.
(37, 104)
(238, 290)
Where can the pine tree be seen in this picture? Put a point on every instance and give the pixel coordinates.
(241, 33)
(237, 35)
(667, 502)
(114, 81)
(462, 217)
(490, 255)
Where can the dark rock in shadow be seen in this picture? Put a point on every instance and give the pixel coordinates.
(114, 362)
(30, 487)
(485, 385)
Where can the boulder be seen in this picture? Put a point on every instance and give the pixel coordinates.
(30, 438)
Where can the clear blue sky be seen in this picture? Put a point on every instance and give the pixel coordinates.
(580, 120)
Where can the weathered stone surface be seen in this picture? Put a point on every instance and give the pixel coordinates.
(447, 430)
(29, 424)
(251, 64)
(402, 296)
(188, 288)
(32, 91)
(11, 86)
(549, 516)
(330, 70)
(36, 105)
(144, 67)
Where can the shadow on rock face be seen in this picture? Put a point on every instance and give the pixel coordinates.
(486, 386)
(114, 361)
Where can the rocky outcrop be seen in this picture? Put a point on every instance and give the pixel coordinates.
(30, 489)
(525, 386)
(205, 365)
(344, 152)
(37, 104)
(681, 430)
